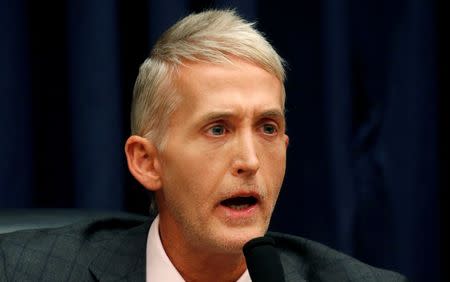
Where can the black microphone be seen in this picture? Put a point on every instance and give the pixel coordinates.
(263, 260)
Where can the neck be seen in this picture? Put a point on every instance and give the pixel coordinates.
(196, 264)
(210, 268)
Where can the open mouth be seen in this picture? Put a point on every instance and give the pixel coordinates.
(239, 203)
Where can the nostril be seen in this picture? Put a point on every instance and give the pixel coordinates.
(244, 167)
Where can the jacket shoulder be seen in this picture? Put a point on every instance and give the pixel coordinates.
(316, 262)
(57, 254)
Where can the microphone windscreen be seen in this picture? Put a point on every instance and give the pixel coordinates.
(263, 260)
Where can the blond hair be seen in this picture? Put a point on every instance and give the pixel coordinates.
(211, 36)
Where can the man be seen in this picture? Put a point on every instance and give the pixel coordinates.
(209, 142)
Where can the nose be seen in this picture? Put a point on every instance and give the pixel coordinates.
(246, 161)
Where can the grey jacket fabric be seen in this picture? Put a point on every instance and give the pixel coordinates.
(115, 250)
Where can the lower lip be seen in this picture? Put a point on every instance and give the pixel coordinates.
(231, 213)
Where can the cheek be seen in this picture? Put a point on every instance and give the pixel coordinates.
(273, 168)
(193, 176)
(273, 158)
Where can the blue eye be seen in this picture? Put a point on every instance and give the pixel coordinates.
(269, 129)
(217, 130)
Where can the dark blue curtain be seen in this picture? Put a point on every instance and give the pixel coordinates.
(362, 113)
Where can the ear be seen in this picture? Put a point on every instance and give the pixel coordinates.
(286, 140)
(143, 162)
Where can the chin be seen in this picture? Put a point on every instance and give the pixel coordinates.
(232, 241)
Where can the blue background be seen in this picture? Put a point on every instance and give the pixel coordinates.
(366, 120)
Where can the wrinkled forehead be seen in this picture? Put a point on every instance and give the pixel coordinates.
(194, 77)
(240, 91)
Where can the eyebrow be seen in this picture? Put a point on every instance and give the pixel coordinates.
(216, 116)
(276, 114)
(273, 113)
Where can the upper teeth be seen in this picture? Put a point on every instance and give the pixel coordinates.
(239, 207)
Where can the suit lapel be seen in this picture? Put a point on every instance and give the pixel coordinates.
(122, 257)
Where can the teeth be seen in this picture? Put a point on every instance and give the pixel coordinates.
(239, 207)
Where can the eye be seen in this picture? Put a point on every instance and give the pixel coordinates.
(269, 129)
(216, 130)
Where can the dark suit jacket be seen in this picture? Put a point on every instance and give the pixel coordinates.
(115, 250)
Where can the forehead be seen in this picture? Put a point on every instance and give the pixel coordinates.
(234, 85)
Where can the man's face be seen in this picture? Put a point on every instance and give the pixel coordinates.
(224, 160)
